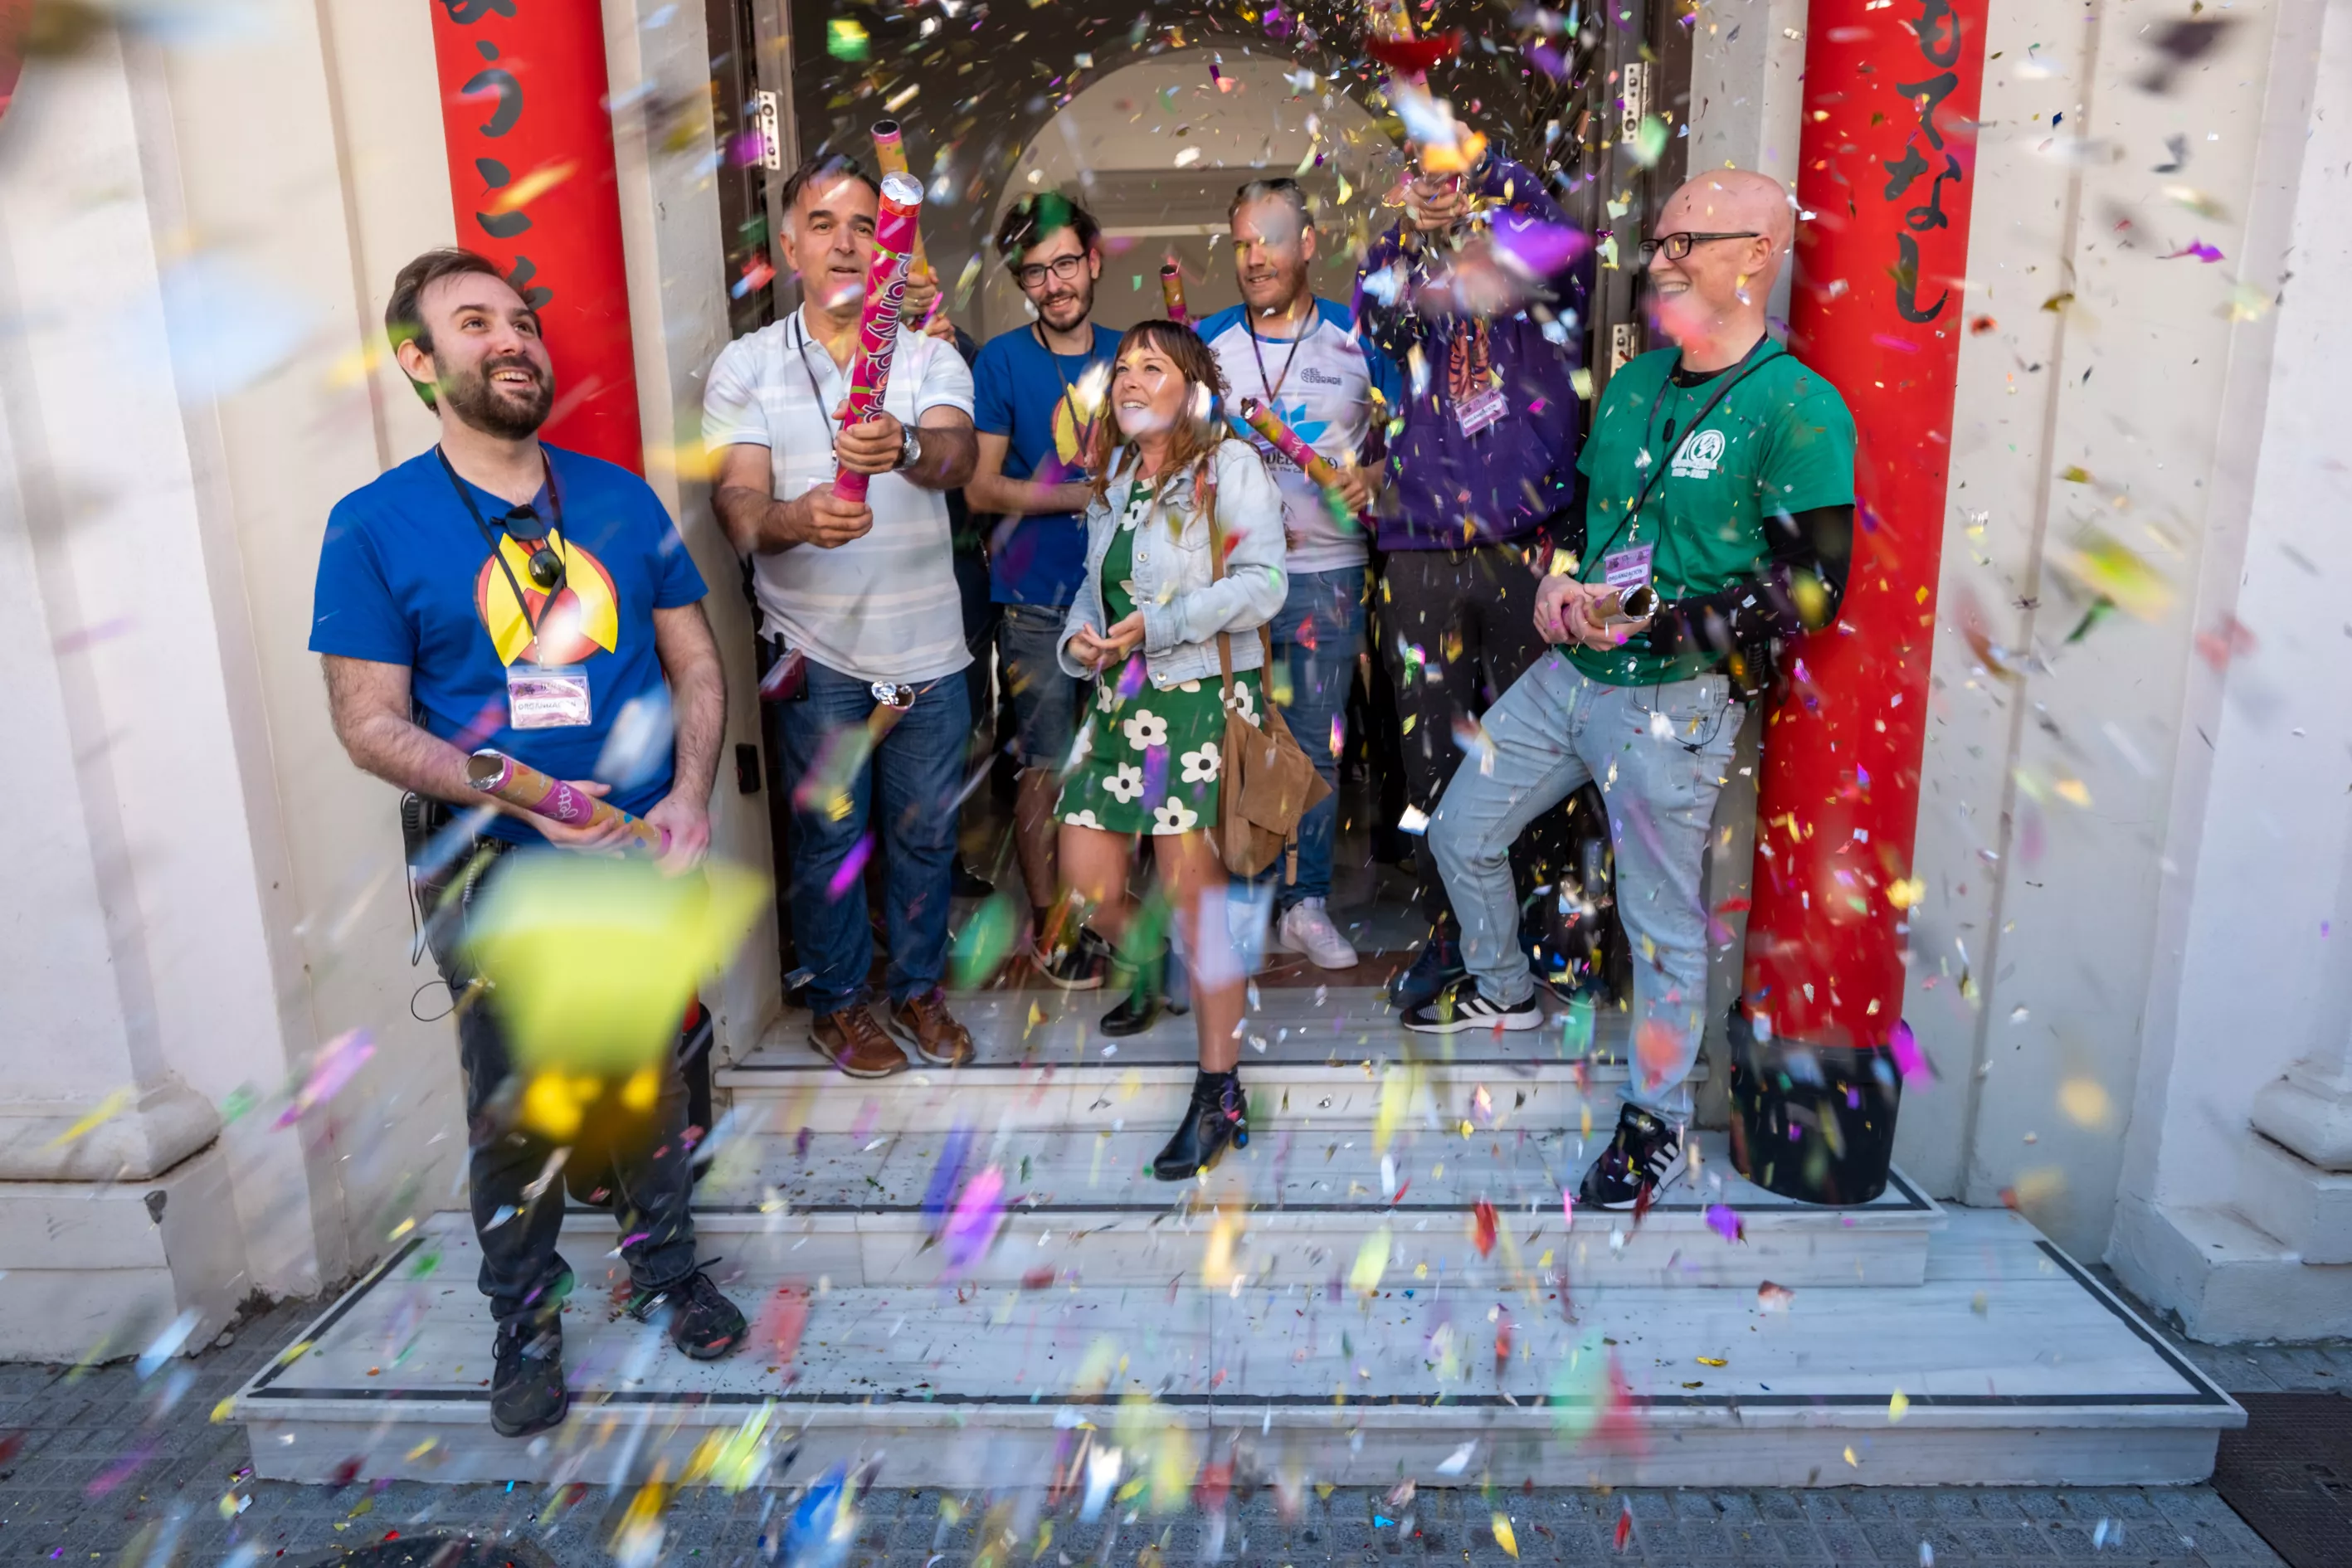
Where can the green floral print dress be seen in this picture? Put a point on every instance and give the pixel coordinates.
(1148, 761)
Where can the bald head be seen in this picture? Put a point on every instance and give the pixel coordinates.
(1731, 201)
(1742, 230)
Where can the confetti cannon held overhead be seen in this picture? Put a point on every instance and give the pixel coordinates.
(519, 784)
(890, 156)
(1172, 291)
(895, 237)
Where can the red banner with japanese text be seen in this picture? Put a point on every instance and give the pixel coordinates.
(1885, 188)
(523, 103)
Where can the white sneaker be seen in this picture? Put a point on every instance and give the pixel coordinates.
(1307, 928)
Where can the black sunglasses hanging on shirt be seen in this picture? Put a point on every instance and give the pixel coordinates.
(524, 526)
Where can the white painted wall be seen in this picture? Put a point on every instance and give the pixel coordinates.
(2251, 971)
(2113, 392)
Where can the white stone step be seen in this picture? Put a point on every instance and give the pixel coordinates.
(1312, 1057)
(2016, 1366)
(1296, 1206)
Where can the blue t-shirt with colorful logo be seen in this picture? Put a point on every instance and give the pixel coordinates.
(1322, 385)
(407, 577)
(1035, 400)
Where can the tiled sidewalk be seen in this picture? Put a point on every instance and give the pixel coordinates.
(91, 1473)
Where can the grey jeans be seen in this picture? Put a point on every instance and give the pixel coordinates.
(1659, 753)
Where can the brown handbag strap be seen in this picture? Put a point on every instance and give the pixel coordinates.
(1216, 575)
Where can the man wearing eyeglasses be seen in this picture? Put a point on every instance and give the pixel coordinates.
(866, 697)
(1036, 393)
(1302, 357)
(500, 591)
(1717, 524)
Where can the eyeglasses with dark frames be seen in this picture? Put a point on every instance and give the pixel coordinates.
(1063, 267)
(1677, 246)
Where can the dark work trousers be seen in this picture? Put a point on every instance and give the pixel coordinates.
(1456, 627)
(522, 1274)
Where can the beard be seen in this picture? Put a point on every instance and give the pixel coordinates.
(494, 410)
(1072, 307)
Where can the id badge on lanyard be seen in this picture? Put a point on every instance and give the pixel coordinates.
(1627, 569)
(548, 696)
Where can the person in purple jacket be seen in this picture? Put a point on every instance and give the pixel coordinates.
(1476, 296)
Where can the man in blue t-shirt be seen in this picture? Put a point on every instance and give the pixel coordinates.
(1036, 393)
(1303, 359)
(499, 593)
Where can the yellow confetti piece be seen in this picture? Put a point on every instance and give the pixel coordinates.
(221, 1411)
(1506, 1538)
(106, 1110)
(1897, 1407)
(594, 961)
(1718, 1360)
(1904, 892)
(1850, 1458)
(533, 185)
(1372, 1262)
(2084, 1101)
(2074, 792)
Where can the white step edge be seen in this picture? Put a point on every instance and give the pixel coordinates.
(1086, 1214)
(2118, 1405)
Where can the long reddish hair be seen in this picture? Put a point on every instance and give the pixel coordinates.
(1195, 436)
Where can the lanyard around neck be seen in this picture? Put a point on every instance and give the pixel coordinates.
(496, 540)
(1752, 361)
(800, 352)
(1274, 386)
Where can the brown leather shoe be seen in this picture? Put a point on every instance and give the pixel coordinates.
(923, 1022)
(852, 1041)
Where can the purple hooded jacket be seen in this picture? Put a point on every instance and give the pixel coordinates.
(1450, 488)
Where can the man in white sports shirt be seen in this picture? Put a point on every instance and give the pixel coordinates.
(860, 598)
(1301, 357)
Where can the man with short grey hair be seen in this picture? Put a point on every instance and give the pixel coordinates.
(1303, 358)
(859, 601)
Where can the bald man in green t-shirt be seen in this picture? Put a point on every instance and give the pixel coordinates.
(1717, 519)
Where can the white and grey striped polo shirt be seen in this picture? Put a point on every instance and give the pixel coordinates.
(883, 606)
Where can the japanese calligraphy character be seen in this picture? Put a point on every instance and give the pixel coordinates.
(1940, 32)
(510, 94)
(1906, 284)
(1935, 90)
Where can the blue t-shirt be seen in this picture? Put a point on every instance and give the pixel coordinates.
(406, 578)
(1023, 394)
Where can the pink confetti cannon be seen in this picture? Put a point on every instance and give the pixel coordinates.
(519, 784)
(1269, 424)
(1171, 292)
(878, 329)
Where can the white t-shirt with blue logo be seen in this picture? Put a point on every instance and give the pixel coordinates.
(1322, 387)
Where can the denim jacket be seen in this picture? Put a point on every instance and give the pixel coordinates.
(1184, 605)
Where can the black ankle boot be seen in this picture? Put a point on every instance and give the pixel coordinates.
(1143, 996)
(1217, 1116)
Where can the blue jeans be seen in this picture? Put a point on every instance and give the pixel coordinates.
(919, 766)
(1045, 700)
(1316, 637)
(1660, 753)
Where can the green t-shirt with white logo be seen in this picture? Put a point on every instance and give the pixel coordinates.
(1779, 441)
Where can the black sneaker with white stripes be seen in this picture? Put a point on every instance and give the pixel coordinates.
(1646, 1154)
(1461, 1006)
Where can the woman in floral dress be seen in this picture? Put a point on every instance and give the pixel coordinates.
(1147, 760)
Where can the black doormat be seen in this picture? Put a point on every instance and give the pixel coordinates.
(2289, 1474)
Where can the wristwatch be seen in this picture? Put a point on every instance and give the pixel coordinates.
(910, 449)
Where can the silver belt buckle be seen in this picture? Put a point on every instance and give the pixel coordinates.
(891, 696)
